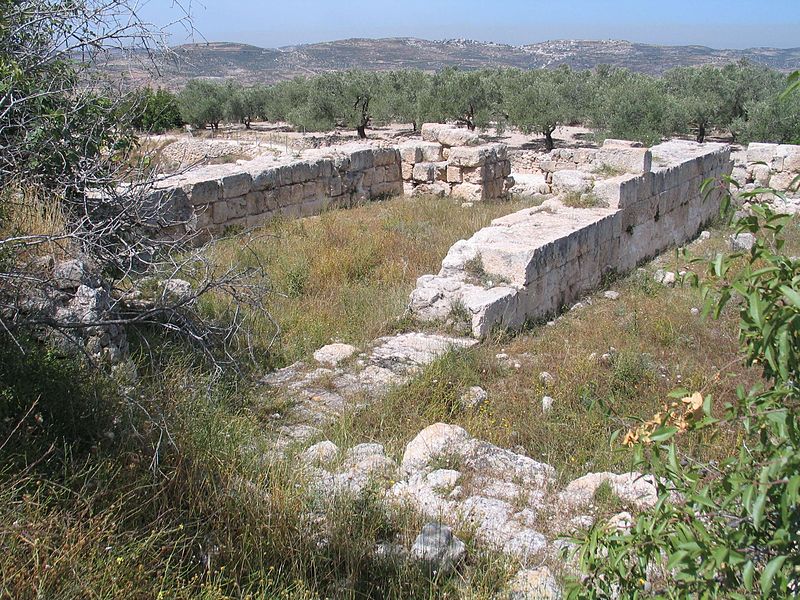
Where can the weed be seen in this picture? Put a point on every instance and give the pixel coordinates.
(583, 200)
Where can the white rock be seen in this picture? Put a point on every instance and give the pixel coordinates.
(547, 404)
(546, 378)
(669, 279)
(431, 442)
(611, 295)
(695, 311)
(621, 522)
(534, 584)
(322, 453)
(333, 354)
(705, 235)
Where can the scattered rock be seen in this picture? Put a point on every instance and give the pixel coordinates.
(438, 548)
(695, 311)
(547, 404)
(705, 235)
(321, 453)
(474, 397)
(546, 378)
(611, 295)
(534, 584)
(742, 242)
(669, 279)
(390, 552)
(177, 290)
(333, 354)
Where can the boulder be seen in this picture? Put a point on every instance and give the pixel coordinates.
(433, 441)
(534, 584)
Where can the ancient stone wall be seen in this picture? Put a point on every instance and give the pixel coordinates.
(768, 165)
(535, 262)
(249, 193)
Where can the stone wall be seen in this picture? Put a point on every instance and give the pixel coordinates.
(535, 262)
(247, 194)
(768, 165)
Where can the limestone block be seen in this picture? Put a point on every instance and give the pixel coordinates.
(301, 172)
(425, 172)
(310, 189)
(362, 160)
(236, 185)
(204, 192)
(470, 192)
(410, 152)
(379, 175)
(265, 180)
(407, 171)
(451, 137)
(367, 178)
(335, 187)
(762, 175)
(296, 193)
(784, 181)
(436, 188)
(474, 175)
(469, 156)
(571, 181)
(285, 175)
(506, 168)
(283, 195)
(431, 152)
(613, 143)
(791, 161)
(630, 160)
(385, 156)
(761, 152)
(430, 131)
(393, 172)
(256, 203)
(454, 174)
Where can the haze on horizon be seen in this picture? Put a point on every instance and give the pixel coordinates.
(714, 23)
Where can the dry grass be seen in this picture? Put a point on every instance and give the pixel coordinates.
(654, 345)
(347, 274)
(24, 213)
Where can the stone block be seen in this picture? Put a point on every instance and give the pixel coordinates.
(296, 193)
(761, 152)
(432, 152)
(204, 192)
(436, 188)
(266, 179)
(571, 181)
(469, 192)
(335, 186)
(235, 185)
(469, 156)
(410, 152)
(362, 160)
(407, 171)
(629, 160)
(454, 174)
(427, 172)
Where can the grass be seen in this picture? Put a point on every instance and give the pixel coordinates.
(583, 200)
(346, 275)
(166, 488)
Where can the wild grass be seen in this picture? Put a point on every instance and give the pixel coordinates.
(347, 274)
(25, 214)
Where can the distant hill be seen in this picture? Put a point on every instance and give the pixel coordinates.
(251, 64)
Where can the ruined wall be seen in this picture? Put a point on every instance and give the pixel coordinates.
(249, 193)
(768, 165)
(535, 262)
(453, 162)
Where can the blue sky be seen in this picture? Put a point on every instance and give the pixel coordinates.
(716, 23)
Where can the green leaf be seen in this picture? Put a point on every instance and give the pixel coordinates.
(768, 576)
(663, 433)
(747, 575)
(792, 295)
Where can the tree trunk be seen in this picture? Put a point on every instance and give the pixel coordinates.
(362, 131)
(470, 125)
(701, 133)
(414, 125)
(549, 144)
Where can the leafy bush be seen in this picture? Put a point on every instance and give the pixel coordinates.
(729, 529)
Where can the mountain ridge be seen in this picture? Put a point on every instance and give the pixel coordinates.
(254, 64)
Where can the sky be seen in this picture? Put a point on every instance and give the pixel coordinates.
(715, 23)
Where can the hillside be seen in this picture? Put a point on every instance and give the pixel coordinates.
(252, 64)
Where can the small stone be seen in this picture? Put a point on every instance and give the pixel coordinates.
(658, 276)
(474, 397)
(547, 404)
(546, 378)
(607, 358)
(611, 295)
(438, 548)
(577, 306)
(669, 279)
(467, 204)
(501, 356)
(621, 522)
(705, 235)
(389, 552)
(695, 311)
(742, 242)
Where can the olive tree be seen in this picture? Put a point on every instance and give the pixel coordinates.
(203, 103)
(469, 97)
